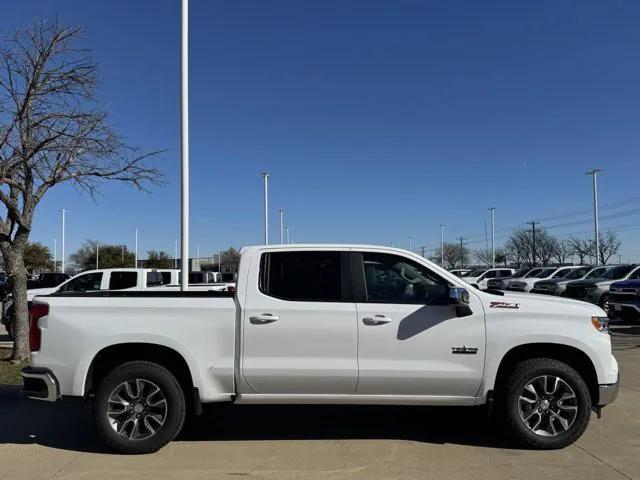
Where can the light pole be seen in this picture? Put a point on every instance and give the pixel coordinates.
(442, 245)
(184, 117)
(410, 243)
(97, 255)
(136, 248)
(493, 237)
(286, 228)
(219, 261)
(265, 176)
(175, 256)
(64, 213)
(55, 254)
(281, 226)
(596, 225)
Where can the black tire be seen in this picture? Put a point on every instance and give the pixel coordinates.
(173, 411)
(530, 371)
(604, 299)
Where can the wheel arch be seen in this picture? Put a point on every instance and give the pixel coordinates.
(572, 356)
(109, 357)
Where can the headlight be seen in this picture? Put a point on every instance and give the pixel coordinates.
(601, 324)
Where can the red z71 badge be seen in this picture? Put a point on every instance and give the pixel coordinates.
(504, 305)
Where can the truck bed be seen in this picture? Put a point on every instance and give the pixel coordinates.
(198, 325)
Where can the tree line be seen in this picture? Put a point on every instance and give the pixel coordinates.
(522, 249)
(38, 258)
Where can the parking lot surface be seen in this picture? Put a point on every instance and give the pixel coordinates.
(57, 441)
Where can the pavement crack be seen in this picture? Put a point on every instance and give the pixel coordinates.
(605, 462)
(64, 467)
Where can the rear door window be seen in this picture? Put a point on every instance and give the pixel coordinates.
(123, 280)
(301, 276)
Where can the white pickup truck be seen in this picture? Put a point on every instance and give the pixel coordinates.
(311, 324)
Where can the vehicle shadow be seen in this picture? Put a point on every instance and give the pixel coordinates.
(69, 425)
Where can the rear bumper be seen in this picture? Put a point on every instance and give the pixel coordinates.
(40, 384)
(608, 393)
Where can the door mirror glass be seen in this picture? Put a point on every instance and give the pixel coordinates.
(458, 296)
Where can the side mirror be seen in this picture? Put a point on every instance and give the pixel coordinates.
(460, 298)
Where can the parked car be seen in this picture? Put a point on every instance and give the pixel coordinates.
(461, 272)
(596, 290)
(103, 279)
(501, 283)
(624, 298)
(323, 324)
(526, 284)
(479, 279)
(557, 286)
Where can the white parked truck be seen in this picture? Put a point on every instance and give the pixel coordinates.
(323, 324)
(90, 280)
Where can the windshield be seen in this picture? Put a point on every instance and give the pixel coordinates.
(562, 273)
(635, 275)
(543, 273)
(533, 273)
(477, 273)
(521, 273)
(576, 273)
(616, 273)
(596, 273)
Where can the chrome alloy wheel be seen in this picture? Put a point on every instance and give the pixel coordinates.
(548, 406)
(137, 409)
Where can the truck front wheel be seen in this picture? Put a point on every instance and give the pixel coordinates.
(547, 404)
(139, 407)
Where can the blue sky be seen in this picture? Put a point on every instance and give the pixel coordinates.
(377, 120)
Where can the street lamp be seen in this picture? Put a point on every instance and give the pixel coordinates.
(596, 226)
(493, 236)
(281, 226)
(265, 176)
(184, 151)
(442, 245)
(64, 213)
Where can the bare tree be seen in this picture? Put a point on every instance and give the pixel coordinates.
(562, 251)
(609, 246)
(483, 256)
(454, 256)
(521, 249)
(52, 131)
(581, 247)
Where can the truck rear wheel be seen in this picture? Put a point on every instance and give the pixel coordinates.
(139, 407)
(547, 404)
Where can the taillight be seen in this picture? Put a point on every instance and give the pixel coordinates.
(36, 312)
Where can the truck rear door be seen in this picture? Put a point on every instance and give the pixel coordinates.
(299, 324)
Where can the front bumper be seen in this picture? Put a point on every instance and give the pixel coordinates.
(623, 305)
(608, 393)
(40, 384)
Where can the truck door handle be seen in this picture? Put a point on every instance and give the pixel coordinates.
(376, 320)
(263, 319)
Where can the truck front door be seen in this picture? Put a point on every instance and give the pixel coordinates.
(299, 324)
(411, 342)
